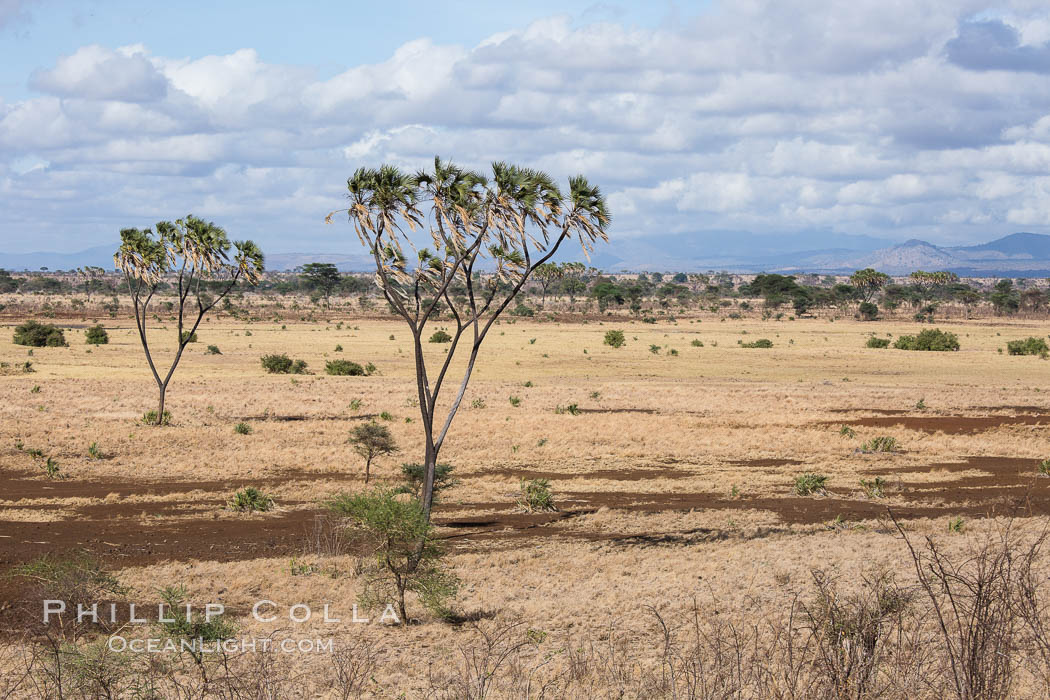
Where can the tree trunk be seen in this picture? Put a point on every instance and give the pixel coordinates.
(160, 407)
(430, 463)
(368, 467)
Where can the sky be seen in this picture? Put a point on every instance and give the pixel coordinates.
(896, 119)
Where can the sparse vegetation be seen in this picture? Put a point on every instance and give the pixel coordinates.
(242, 429)
(536, 496)
(883, 443)
(150, 418)
(250, 499)
(809, 484)
(875, 342)
(760, 343)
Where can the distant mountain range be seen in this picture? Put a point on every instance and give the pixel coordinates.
(1016, 255)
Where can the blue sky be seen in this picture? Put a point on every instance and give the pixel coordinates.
(918, 119)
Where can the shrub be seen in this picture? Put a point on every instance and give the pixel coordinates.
(760, 343)
(242, 429)
(282, 364)
(931, 339)
(874, 342)
(882, 443)
(1029, 346)
(874, 488)
(515, 401)
(522, 310)
(96, 335)
(188, 337)
(809, 484)
(407, 560)
(250, 499)
(39, 335)
(338, 348)
(214, 350)
(1044, 467)
(75, 578)
(847, 432)
(536, 496)
(614, 339)
(867, 311)
(344, 368)
(414, 474)
(150, 418)
(697, 343)
(440, 337)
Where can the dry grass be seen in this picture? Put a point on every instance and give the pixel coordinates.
(660, 426)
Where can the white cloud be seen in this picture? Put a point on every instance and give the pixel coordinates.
(759, 114)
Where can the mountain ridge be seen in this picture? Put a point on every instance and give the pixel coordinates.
(1021, 254)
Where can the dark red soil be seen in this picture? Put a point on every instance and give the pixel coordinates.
(950, 425)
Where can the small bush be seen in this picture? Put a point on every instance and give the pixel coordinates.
(523, 310)
(250, 499)
(874, 342)
(760, 343)
(614, 339)
(150, 418)
(1029, 346)
(874, 488)
(39, 335)
(214, 350)
(697, 343)
(931, 339)
(1044, 467)
(882, 443)
(536, 496)
(338, 348)
(282, 364)
(414, 474)
(94, 452)
(188, 337)
(847, 432)
(242, 429)
(515, 401)
(809, 484)
(344, 368)
(440, 337)
(867, 311)
(96, 335)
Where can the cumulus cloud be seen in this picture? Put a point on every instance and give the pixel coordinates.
(97, 73)
(755, 114)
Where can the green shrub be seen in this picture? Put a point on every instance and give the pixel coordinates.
(282, 364)
(344, 368)
(242, 429)
(1029, 346)
(867, 311)
(407, 560)
(760, 343)
(1044, 467)
(96, 335)
(697, 343)
(39, 335)
(809, 484)
(614, 339)
(150, 418)
(214, 350)
(931, 339)
(880, 444)
(536, 496)
(414, 474)
(874, 342)
(188, 337)
(440, 337)
(522, 310)
(250, 499)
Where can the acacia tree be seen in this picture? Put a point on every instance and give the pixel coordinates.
(324, 277)
(513, 222)
(869, 281)
(370, 440)
(928, 282)
(546, 274)
(197, 254)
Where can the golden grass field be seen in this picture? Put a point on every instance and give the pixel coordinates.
(674, 482)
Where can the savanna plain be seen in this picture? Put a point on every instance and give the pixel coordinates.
(685, 557)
